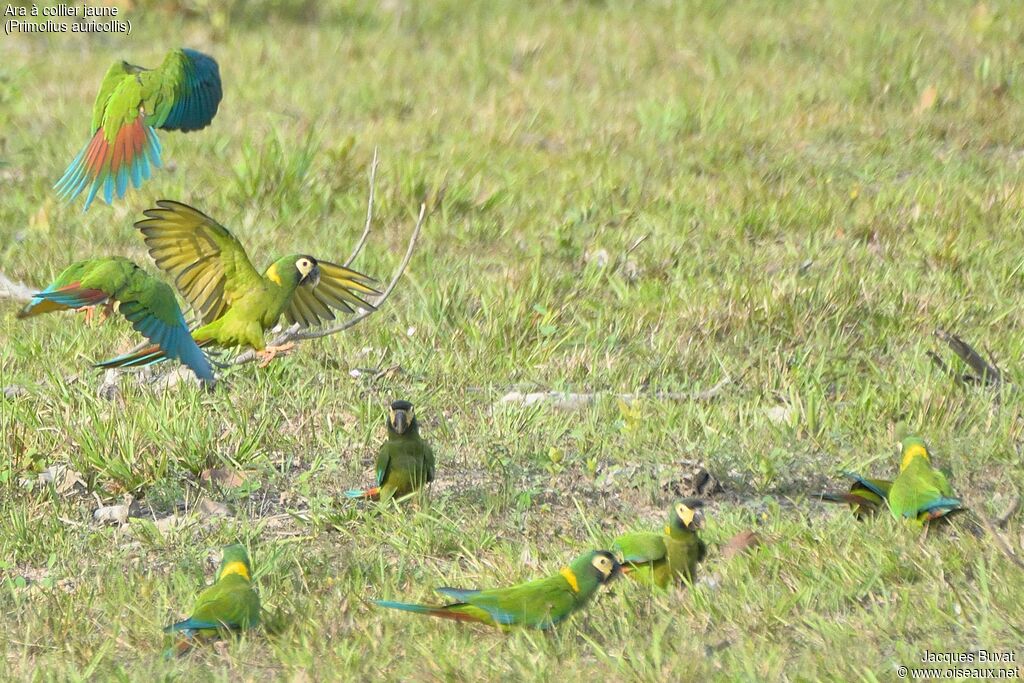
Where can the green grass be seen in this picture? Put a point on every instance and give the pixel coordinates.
(809, 225)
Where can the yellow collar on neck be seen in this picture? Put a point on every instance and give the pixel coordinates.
(273, 275)
(570, 576)
(235, 567)
(914, 451)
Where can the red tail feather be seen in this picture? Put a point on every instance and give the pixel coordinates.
(449, 613)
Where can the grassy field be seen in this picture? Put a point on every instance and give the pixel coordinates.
(821, 185)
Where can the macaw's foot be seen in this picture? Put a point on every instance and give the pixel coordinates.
(271, 352)
(106, 310)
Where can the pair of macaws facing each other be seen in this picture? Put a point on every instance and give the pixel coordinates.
(233, 302)
(232, 604)
(919, 493)
(183, 93)
(650, 558)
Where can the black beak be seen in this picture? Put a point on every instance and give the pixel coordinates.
(400, 421)
(312, 277)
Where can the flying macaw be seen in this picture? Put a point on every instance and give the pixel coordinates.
(541, 603)
(405, 463)
(230, 604)
(920, 492)
(658, 559)
(234, 303)
(182, 94)
(866, 496)
(147, 303)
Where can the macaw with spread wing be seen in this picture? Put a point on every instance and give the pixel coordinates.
(234, 302)
(865, 497)
(182, 94)
(147, 303)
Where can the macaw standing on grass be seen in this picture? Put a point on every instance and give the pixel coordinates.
(230, 604)
(405, 462)
(182, 94)
(659, 559)
(920, 492)
(541, 603)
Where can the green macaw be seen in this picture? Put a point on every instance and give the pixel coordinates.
(182, 94)
(866, 496)
(536, 604)
(232, 300)
(658, 559)
(147, 303)
(230, 604)
(920, 492)
(405, 462)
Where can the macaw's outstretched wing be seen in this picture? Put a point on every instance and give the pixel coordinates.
(208, 265)
(184, 92)
(147, 303)
(338, 289)
(122, 149)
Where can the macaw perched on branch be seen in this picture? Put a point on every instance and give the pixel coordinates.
(147, 303)
(658, 559)
(234, 303)
(541, 603)
(405, 462)
(230, 604)
(182, 94)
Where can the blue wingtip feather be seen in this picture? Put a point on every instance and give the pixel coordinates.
(190, 625)
(404, 606)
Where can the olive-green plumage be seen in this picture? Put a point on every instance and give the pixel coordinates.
(920, 492)
(537, 604)
(229, 604)
(405, 462)
(183, 93)
(147, 303)
(866, 496)
(660, 559)
(234, 303)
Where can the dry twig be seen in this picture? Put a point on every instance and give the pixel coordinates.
(295, 333)
(563, 400)
(985, 372)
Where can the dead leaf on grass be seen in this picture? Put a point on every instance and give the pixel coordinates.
(744, 541)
